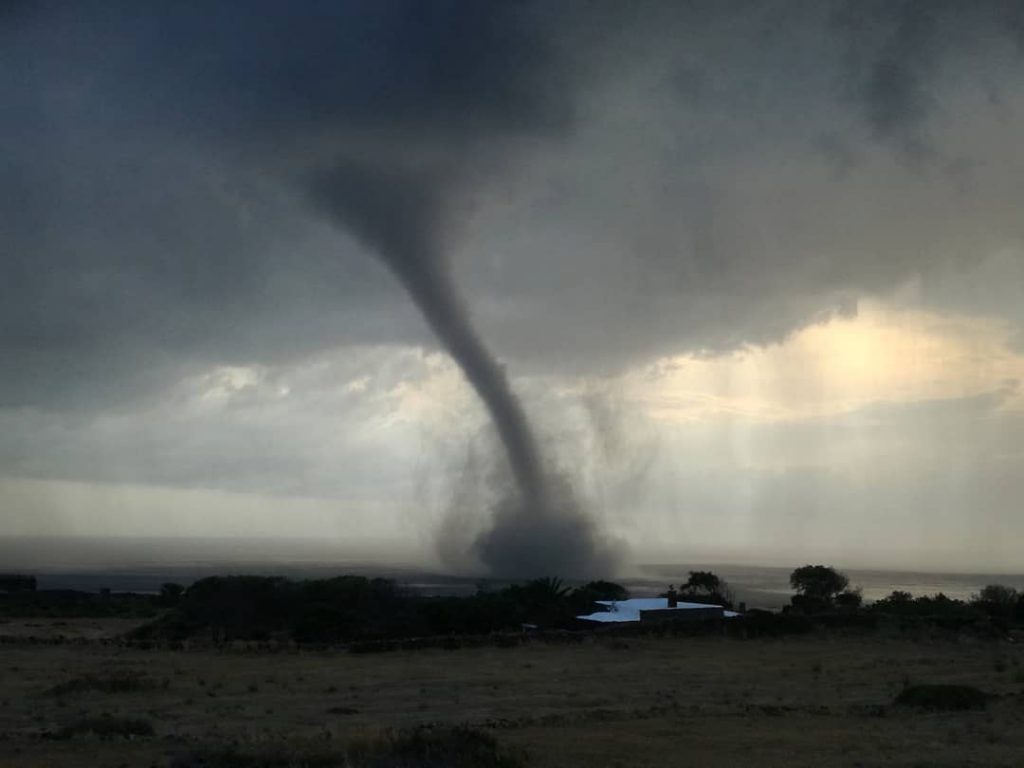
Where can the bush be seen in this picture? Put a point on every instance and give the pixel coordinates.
(942, 697)
(853, 619)
(849, 600)
(602, 590)
(938, 610)
(997, 594)
(1001, 603)
(353, 609)
(766, 624)
(113, 684)
(707, 588)
(703, 581)
(258, 607)
(70, 603)
(458, 747)
(898, 597)
(106, 728)
(17, 582)
(818, 581)
(810, 604)
(170, 593)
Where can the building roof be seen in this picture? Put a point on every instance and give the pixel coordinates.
(629, 610)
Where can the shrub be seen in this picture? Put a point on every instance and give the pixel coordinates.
(706, 587)
(937, 610)
(458, 747)
(818, 581)
(810, 604)
(124, 683)
(106, 728)
(342, 711)
(1000, 602)
(851, 599)
(68, 603)
(766, 624)
(170, 593)
(601, 590)
(703, 581)
(997, 594)
(942, 697)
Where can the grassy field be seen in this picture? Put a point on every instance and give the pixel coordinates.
(818, 700)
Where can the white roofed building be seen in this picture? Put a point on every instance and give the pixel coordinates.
(654, 609)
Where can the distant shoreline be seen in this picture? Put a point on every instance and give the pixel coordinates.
(763, 587)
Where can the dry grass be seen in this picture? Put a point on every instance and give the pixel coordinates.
(809, 701)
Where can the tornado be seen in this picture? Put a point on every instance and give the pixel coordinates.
(401, 215)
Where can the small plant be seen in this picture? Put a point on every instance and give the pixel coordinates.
(124, 683)
(343, 711)
(459, 747)
(106, 728)
(942, 697)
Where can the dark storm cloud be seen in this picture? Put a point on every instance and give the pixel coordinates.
(607, 181)
(896, 50)
(134, 205)
(145, 229)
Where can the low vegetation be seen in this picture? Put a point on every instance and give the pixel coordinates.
(706, 587)
(820, 588)
(452, 747)
(355, 609)
(378, 615)
(105, 728)
(942, 697)
(121, 683)
(823, 594)
(70, 603)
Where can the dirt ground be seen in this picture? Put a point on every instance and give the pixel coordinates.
(819, 700)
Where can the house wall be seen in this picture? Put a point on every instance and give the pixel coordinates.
(687, 614)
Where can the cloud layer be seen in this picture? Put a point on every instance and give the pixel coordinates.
(620, 184)
(668, 178)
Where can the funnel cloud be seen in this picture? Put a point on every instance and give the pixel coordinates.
(400, 215)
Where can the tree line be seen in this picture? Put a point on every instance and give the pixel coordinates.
(354, 608)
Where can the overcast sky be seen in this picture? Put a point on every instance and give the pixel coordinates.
(755, 269)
